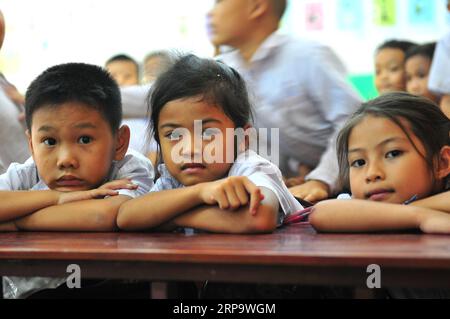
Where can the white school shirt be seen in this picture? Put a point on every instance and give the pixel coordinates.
(258, 170)
(13, 141)
(25, 176)
(300, 87)
(439, 80)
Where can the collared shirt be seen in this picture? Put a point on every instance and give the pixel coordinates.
(299, 86)
(133, 166)
(258, 170)
(25, 177)
(439, 80)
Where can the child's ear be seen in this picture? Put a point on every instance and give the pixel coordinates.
(444, 163)
(122, 142)
(30, 143)
(258, 8)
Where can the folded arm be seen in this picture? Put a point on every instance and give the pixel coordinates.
(85, 215)
(367, 216)
(212, 218)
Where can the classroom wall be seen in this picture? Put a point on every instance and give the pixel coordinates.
(46, 32)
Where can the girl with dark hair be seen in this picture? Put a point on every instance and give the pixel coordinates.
(207, 181)
(394, 150)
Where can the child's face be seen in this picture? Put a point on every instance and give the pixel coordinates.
(151, 68)
(226, 21)
(180, 152)
(124, 72)
(384, 165)
(73, 146)
(389, 70)
(417, 71)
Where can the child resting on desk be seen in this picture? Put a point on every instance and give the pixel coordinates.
(195, 104)
(393, 150)
(80, 172)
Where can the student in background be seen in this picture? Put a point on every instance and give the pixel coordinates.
(390, 73)
(13, 143)
(439, 79)
(236, 192)
(417, 65)
(123, 69)
(298, 86)
(394, 150)
(80, 172)
(155, 63)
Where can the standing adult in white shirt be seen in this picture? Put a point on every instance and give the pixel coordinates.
(13, 142)
(439, 80)
(298, 86)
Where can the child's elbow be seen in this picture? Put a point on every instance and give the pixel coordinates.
(124, 221)
(265, 220)
(106, 221)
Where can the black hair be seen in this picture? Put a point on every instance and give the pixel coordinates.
(425, 50)
(210, 80)
(396, 44)
(75, 82)
(425, 119)
(122, 57)
(279, 7)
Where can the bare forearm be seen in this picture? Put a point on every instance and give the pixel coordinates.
(364, 216)
(16, 204)
(87, 215)
(156, 208)
(439, 202)
(214, 219)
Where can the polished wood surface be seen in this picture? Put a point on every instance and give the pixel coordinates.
(294, 254)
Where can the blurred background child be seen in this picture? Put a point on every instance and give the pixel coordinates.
(390, 73)
(417, 65)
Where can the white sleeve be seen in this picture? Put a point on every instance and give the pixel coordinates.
(439, 80)
(134, 100)
(337, 100)
(265, 174)
(19, 177)
(140, 170)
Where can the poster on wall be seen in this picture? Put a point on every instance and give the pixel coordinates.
(314, 16)
(421, 12)
(349, 15)
(385, 12)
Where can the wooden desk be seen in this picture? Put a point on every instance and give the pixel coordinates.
(295, 255)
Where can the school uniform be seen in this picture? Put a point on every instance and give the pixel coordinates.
(257, 169)
(13, 143)
(25, 176)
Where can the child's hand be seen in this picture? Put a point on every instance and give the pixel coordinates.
(67, 197)
(436, 223)
(119, 184)
(312, 191)
(232, 193)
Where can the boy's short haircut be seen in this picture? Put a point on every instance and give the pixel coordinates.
(396, 44)
(88, 84)
(279, 7)
(124, 58)
(425, 50)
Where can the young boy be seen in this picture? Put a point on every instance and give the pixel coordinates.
(123, 69)
(390, 66)
(80, 172)
(299, 87)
